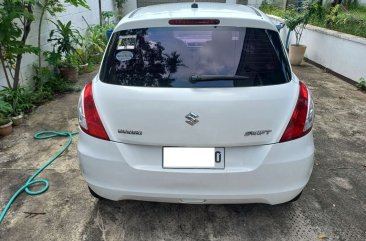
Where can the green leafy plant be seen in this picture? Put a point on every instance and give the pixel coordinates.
(16, 17)
(4, 120)
(70, 61)
(51, 83)
(53, 7)
(96, 41)
(297, 18)
(41, 96)
(346, 18)
(64, 37)
(43, 75)
(350, 3)
(361, 85)
(58, 86)
(17, 98)
(53, 58)
(331, 18)
(5, 108)
(271, 9)
(83, 55)
(107, 15)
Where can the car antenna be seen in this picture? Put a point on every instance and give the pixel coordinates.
(194, 4)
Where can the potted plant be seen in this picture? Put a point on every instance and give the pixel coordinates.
(296, 20)
(69, 67)
(6, 127)
(18, 101)
(65, 40)
(5, 123)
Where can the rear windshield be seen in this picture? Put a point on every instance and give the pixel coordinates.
(174, 57)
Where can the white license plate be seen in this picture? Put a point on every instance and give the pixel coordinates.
(185, 157)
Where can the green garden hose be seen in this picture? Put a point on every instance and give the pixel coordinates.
(31, 181)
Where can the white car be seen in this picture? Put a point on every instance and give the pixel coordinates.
(196, 103)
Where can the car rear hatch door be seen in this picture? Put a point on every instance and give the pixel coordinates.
(148, 91)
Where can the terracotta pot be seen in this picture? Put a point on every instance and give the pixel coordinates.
(296, 54)
(70, 74)
(17, 120)
(6, 129)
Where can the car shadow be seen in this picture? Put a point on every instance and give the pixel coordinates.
(139, 220)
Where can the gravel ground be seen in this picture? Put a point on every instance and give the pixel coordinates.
(332, 207)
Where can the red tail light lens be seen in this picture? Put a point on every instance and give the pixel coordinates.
(302, 118)
(194, 21)
(89, 118)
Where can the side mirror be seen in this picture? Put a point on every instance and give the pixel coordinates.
(280, 26)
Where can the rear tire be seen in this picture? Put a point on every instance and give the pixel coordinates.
(295, 198)
(95, 195)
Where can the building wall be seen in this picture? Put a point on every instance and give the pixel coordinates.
(72, 13)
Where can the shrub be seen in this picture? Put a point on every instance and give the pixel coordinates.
(5, 107)
(4, 119)
(271, 9)
(17, 98)
(50, 82)
(361, 85)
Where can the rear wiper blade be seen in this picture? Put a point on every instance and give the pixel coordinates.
(198, 78)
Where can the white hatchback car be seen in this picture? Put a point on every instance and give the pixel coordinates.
(196, 104)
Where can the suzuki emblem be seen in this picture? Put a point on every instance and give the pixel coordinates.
(192, 118)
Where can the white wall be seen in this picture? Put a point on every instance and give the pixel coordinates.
(72, 13)
(129, 6)
(339, 52)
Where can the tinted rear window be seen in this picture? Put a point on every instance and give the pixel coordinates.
(168, 57)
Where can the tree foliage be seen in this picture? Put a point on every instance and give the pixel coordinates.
(16, 17)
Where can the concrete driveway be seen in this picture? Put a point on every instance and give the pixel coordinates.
(333, 205)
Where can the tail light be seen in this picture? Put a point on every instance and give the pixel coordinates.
(89, 119)
(302, 118)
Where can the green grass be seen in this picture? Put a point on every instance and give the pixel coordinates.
(351, 21)
(272, 9)
(359, 11)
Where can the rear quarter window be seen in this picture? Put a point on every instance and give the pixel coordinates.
(170, 56)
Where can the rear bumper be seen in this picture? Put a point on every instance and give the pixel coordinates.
(270, 174)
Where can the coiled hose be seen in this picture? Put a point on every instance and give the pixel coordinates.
(31, 181)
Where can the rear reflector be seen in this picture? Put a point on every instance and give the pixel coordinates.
(302, 118)
(194, 21)
(93, 125)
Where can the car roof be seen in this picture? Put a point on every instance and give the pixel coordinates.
(245, 15)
